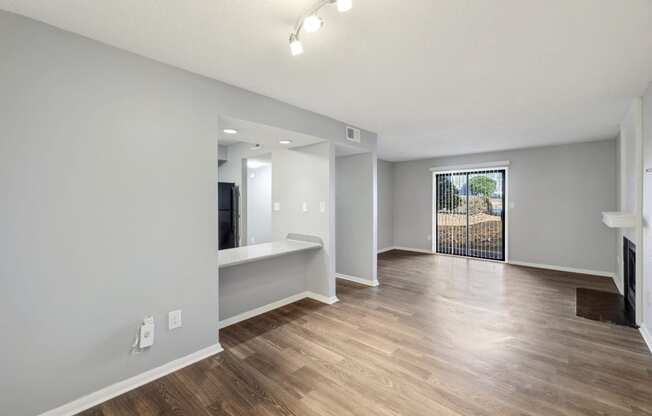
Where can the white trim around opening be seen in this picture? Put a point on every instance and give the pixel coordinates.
(501, 165)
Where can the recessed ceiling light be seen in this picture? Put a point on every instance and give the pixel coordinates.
(230, 131)
(285, 141)
(312, 23)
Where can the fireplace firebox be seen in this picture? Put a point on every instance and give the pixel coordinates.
(629, 279)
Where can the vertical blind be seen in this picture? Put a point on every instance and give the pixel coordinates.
(469, 213)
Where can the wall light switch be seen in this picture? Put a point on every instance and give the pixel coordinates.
(322, 207)
(174, 319)
(304, 207)
(277, 206)
(511, 205)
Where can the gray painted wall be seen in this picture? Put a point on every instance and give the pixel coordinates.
(647, 211)
(108, 170)
(251, 285)
(385, 204)
(558, 194)
(301, 175)
(259, 202)
(354, 200)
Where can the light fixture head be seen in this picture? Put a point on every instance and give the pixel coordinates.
(312, 23)
(344, 5)
(230, 131)
(285, 141)
(296, 48)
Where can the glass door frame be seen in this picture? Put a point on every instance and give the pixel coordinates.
(504, 165)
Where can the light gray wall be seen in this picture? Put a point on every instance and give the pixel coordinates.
(558, 194)
(222, 153)
(259, 203)
(630, 176)
(647, 212)
(301, 175)
(385, 204)
(354, 200)
(108, 171)
(248, 286)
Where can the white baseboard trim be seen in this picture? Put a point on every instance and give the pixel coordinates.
(563, 269)
(415, 250)
(275, 305)
(114, 390)
(262, 309)
(321, 298)
(646, 335)
(356, 279)
(382, 250)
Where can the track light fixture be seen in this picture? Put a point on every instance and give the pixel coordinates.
(310, 22)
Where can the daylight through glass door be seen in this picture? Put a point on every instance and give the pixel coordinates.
(469, 213)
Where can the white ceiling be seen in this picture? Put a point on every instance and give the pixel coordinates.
(432, 77)
(267, 136)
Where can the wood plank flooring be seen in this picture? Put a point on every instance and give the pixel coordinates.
(440, 336)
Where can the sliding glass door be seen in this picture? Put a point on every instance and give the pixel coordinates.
(469, 213)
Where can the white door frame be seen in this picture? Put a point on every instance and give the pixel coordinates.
(503, 165)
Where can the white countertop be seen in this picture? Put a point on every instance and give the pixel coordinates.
(247, 254)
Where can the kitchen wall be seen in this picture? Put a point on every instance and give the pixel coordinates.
(385, 205)
(355, 204)
(259, 200)
(556, 193)
(303, 175)
(108, 168)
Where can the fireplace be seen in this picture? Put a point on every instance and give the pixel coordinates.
(629, 279)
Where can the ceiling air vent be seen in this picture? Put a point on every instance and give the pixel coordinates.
(353, 134)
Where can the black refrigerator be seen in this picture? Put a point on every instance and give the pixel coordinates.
(228, 215)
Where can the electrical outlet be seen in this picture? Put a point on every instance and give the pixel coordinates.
(174, 320)
(146, 333)
(429, 237)
(277, 206)
(322, 206)
(304, 207)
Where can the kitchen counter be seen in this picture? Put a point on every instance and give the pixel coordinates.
(247, 254)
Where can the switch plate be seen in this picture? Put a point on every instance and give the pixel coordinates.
(277, 206)
(174, 320)
(304, 207)
(322, 206)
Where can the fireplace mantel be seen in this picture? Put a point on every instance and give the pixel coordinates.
(619, 219)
